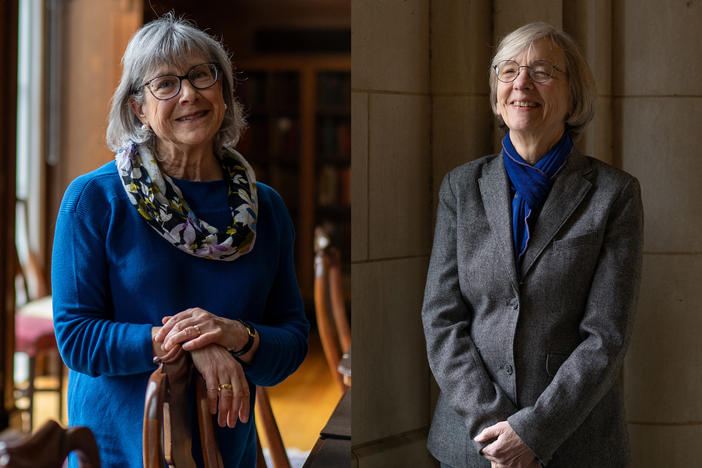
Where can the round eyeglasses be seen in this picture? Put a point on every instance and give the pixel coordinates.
(201, 76)
(540, 71)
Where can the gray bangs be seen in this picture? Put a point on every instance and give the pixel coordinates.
(173, 49)
(163, 42)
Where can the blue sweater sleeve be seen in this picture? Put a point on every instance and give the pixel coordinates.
(89, 340)
(283, 344)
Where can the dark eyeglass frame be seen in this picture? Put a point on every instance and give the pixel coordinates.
(214, 65)
(530, 71)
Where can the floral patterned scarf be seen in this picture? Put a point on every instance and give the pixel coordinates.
(160, 202)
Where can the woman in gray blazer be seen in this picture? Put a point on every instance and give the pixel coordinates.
(534, 273)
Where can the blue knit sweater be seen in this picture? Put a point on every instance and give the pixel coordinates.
(114, 278)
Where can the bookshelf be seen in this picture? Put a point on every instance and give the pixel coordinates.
(299, 142)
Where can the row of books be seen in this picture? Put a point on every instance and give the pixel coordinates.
(334, 185)
(275, 92)
(334, 91)
(276, 140)
(285, 181)
(334, 139)
(279, 140)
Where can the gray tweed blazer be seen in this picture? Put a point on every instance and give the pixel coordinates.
(544, 355)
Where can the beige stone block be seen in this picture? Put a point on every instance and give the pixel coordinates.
(589, 22)
(461, 46)
(402, 452)
(663, 369)
(665, 446)
(508, 15)
(461, 132)
(656, 47)
(660, 145)
(390, 45)
(399, 162)
(596, 140)
(359, 176)
(390, 369)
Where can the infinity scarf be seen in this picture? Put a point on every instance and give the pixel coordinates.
(160, 202)
(531, 185)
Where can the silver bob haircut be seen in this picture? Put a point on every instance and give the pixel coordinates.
(581, 83)
(168, 40)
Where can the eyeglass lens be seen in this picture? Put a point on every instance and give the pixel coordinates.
(508, 70)
(200, 76)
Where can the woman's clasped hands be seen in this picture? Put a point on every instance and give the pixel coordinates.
(208, 338)
(506, 450)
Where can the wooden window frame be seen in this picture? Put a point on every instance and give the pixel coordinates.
(8, 131)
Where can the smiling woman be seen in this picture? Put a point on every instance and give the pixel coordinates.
(188, 124)
(174, 245)
(533, 278)
(534, 104)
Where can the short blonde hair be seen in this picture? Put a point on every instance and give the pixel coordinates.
(581, 83)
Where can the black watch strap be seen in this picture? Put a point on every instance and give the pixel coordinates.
(252, 334)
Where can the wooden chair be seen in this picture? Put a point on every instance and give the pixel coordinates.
(49, 446)
(34, 326)
(166, 430)
(265, 423)
(330, 311)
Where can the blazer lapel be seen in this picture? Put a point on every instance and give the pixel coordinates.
(567, 193)
(495, 193)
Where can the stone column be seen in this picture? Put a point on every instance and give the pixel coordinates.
(590, 24)
(461, 49)
(391, 231)
(657, 107)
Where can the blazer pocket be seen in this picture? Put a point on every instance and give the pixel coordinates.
(589, 238)
(553, 362)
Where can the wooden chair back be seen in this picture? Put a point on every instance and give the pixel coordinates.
(166, 430)
(49, 446)
(330, 311)
(265, 423)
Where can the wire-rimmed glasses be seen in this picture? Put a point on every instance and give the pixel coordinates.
(539, 71)
(201, 76)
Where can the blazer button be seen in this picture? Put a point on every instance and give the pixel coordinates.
(514, 303)
(508, 369)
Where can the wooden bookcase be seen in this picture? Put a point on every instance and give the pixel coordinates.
(299, 142)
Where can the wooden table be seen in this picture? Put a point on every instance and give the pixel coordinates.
(333, 448)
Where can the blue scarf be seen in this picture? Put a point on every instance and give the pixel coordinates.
(531, 185)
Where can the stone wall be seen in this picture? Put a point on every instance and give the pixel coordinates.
(420, 107)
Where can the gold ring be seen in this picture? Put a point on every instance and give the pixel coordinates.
(224, 386)
(197, 329)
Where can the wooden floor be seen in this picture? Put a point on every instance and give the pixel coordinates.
(302, 404)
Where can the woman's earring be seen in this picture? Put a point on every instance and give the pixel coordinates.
(145, 127)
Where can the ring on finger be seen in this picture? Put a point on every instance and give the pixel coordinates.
(224, 386)
(197, 329)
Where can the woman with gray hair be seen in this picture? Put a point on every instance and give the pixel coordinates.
(533, 277)
(174, 245)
